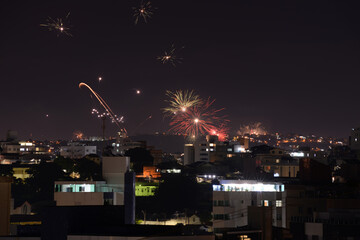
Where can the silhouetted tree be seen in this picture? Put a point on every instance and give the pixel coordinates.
(6, 170)
(42, 180)
(66, 164)
(139, 157)
(88, 169)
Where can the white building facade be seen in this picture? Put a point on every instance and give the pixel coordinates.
(231, 199)
(96, 193)
(76, 150)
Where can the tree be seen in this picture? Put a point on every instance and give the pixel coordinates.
(42, 179)
(177, 193)
(139, 157)
(6, 170)
(66, 164)
(88, 169)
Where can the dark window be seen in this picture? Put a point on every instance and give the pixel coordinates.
(309, 210)
(221, 203)
(226, 203)
(215, 203)
(219, 216)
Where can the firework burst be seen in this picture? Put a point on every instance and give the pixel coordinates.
(78, 135)
(144, 11)
(252, 129)
(58, 25)
(170, 56)
(221, 132)
(200, 119)
(180, 100)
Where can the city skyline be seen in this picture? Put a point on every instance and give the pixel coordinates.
(292, 66)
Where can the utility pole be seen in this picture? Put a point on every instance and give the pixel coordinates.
(103, 118)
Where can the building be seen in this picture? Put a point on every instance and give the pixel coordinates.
(189, 154)
(231, 199)
(5, 205)
(117, 189)
(157, 155)
(150, 172)
(21, 172)
(87, 193)
(124, 143)
(77, 150)
(278, 163)
(212, 150)
(312, 171)
(10, 148)
(333, 224)
(144, 189)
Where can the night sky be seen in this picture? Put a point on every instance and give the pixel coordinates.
(292, 65)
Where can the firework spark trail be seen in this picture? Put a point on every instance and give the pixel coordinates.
(58, 25)
(201, 119)
(180, 101)
(103, 103)
(142, 123)
(119, 119)
(170, 57)
(145, 11)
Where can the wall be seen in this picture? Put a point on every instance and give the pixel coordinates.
(79, 198)
(5, 195)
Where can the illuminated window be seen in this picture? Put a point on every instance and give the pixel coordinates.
(278, 203)
(266, 203)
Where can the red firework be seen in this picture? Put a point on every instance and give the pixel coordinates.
(201, 119)
(221, 131)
